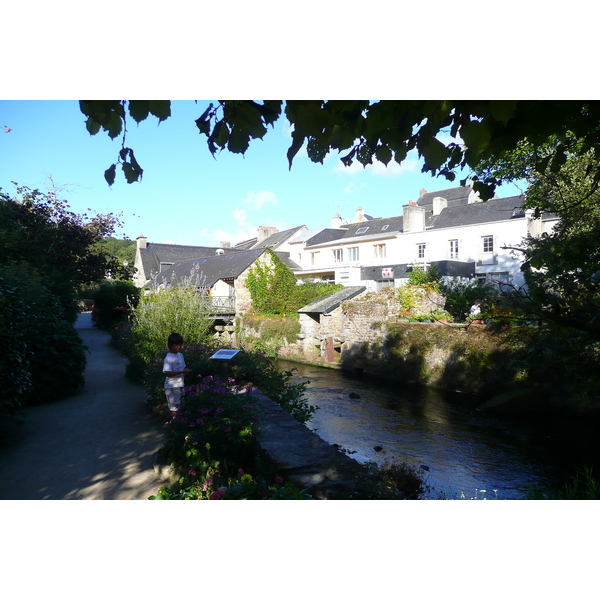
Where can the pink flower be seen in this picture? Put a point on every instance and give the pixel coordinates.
(240, 471)
(192, 472)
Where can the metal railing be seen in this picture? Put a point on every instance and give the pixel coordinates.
(220, 304)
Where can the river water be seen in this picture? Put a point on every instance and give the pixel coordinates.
(463, 450)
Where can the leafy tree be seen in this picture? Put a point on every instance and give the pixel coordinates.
(366, 131)
(121, 251)
(559, 265)
(39, 228)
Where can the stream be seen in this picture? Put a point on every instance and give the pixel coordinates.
(465, 453)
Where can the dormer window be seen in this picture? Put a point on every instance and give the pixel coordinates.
(361, 230)
(384, 227)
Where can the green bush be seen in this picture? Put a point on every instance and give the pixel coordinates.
(44, 357)
(113, 301)
(460, 295)
(156, 316)
(15, 356)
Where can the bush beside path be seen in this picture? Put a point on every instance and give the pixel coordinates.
(99, 444)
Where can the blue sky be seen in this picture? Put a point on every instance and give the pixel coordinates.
(186, 196)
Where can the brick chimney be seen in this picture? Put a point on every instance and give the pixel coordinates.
(142, 242)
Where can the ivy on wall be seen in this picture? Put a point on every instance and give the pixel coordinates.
(274, 289)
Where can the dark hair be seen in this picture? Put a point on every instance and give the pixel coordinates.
(175, 338)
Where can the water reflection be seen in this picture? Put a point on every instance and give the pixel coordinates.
(465, 450)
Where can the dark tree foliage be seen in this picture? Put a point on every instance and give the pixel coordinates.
(38, 228)
(365, 131)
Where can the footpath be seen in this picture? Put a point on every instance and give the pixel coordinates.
(100, 444)
(103, 443)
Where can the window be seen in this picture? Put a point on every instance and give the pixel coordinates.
(337, 255)
(454, 249)
(164, 266)
(499, 280)
(384, 227)
(379, 251)
(421, 250)
(353, 254)
(315, 258)
(488, 243)
(345, 275)
(361, 230)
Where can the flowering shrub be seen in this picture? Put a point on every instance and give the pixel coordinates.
(242, 486)
(214, 419)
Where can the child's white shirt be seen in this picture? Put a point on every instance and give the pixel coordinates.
(174, 363)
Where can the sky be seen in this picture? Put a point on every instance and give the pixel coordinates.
(187, 196)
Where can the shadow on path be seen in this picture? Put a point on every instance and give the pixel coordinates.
(97, 445)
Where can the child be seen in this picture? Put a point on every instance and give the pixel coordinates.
(174, 368)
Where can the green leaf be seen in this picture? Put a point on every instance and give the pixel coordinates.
(139, 109)
(92, 127)
(435, 154)
(476, 137)
(109, 174)
(383, 154)
(132, 173)
(203, 122)
(160, 109)
(114, 125)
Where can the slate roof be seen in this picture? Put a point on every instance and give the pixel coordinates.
(212, 269)
(330, 302)
(276, 239)
(499, 209)
(376, 229)
(455, 197)
(155, 254)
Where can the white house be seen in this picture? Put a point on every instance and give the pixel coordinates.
(451, 229)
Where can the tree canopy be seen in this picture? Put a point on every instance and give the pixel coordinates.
(365, 131)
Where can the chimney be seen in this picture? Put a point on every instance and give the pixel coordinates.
(360, 215)
(473, 197)
(337, 221)
(225, 244)
(439, 204)
(422, 192)
(413, 218)
(142, 242)
(263, 232)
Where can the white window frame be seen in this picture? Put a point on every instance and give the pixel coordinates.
(315, 258)
(353, 254)
(338, 255)
(453, 249)
(421, 249)
(488, 242)
(379, 251)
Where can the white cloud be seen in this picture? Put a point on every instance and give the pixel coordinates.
(258, 200)
(244, 230)
(353, 187)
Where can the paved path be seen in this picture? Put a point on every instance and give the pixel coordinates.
(97, 445)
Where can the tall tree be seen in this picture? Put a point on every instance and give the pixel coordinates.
(559, 266)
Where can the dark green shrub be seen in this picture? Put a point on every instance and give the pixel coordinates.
(16, 355)
(113, 299)
(44, 357)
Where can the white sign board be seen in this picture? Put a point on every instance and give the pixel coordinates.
(225, 354)
(387, 273)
